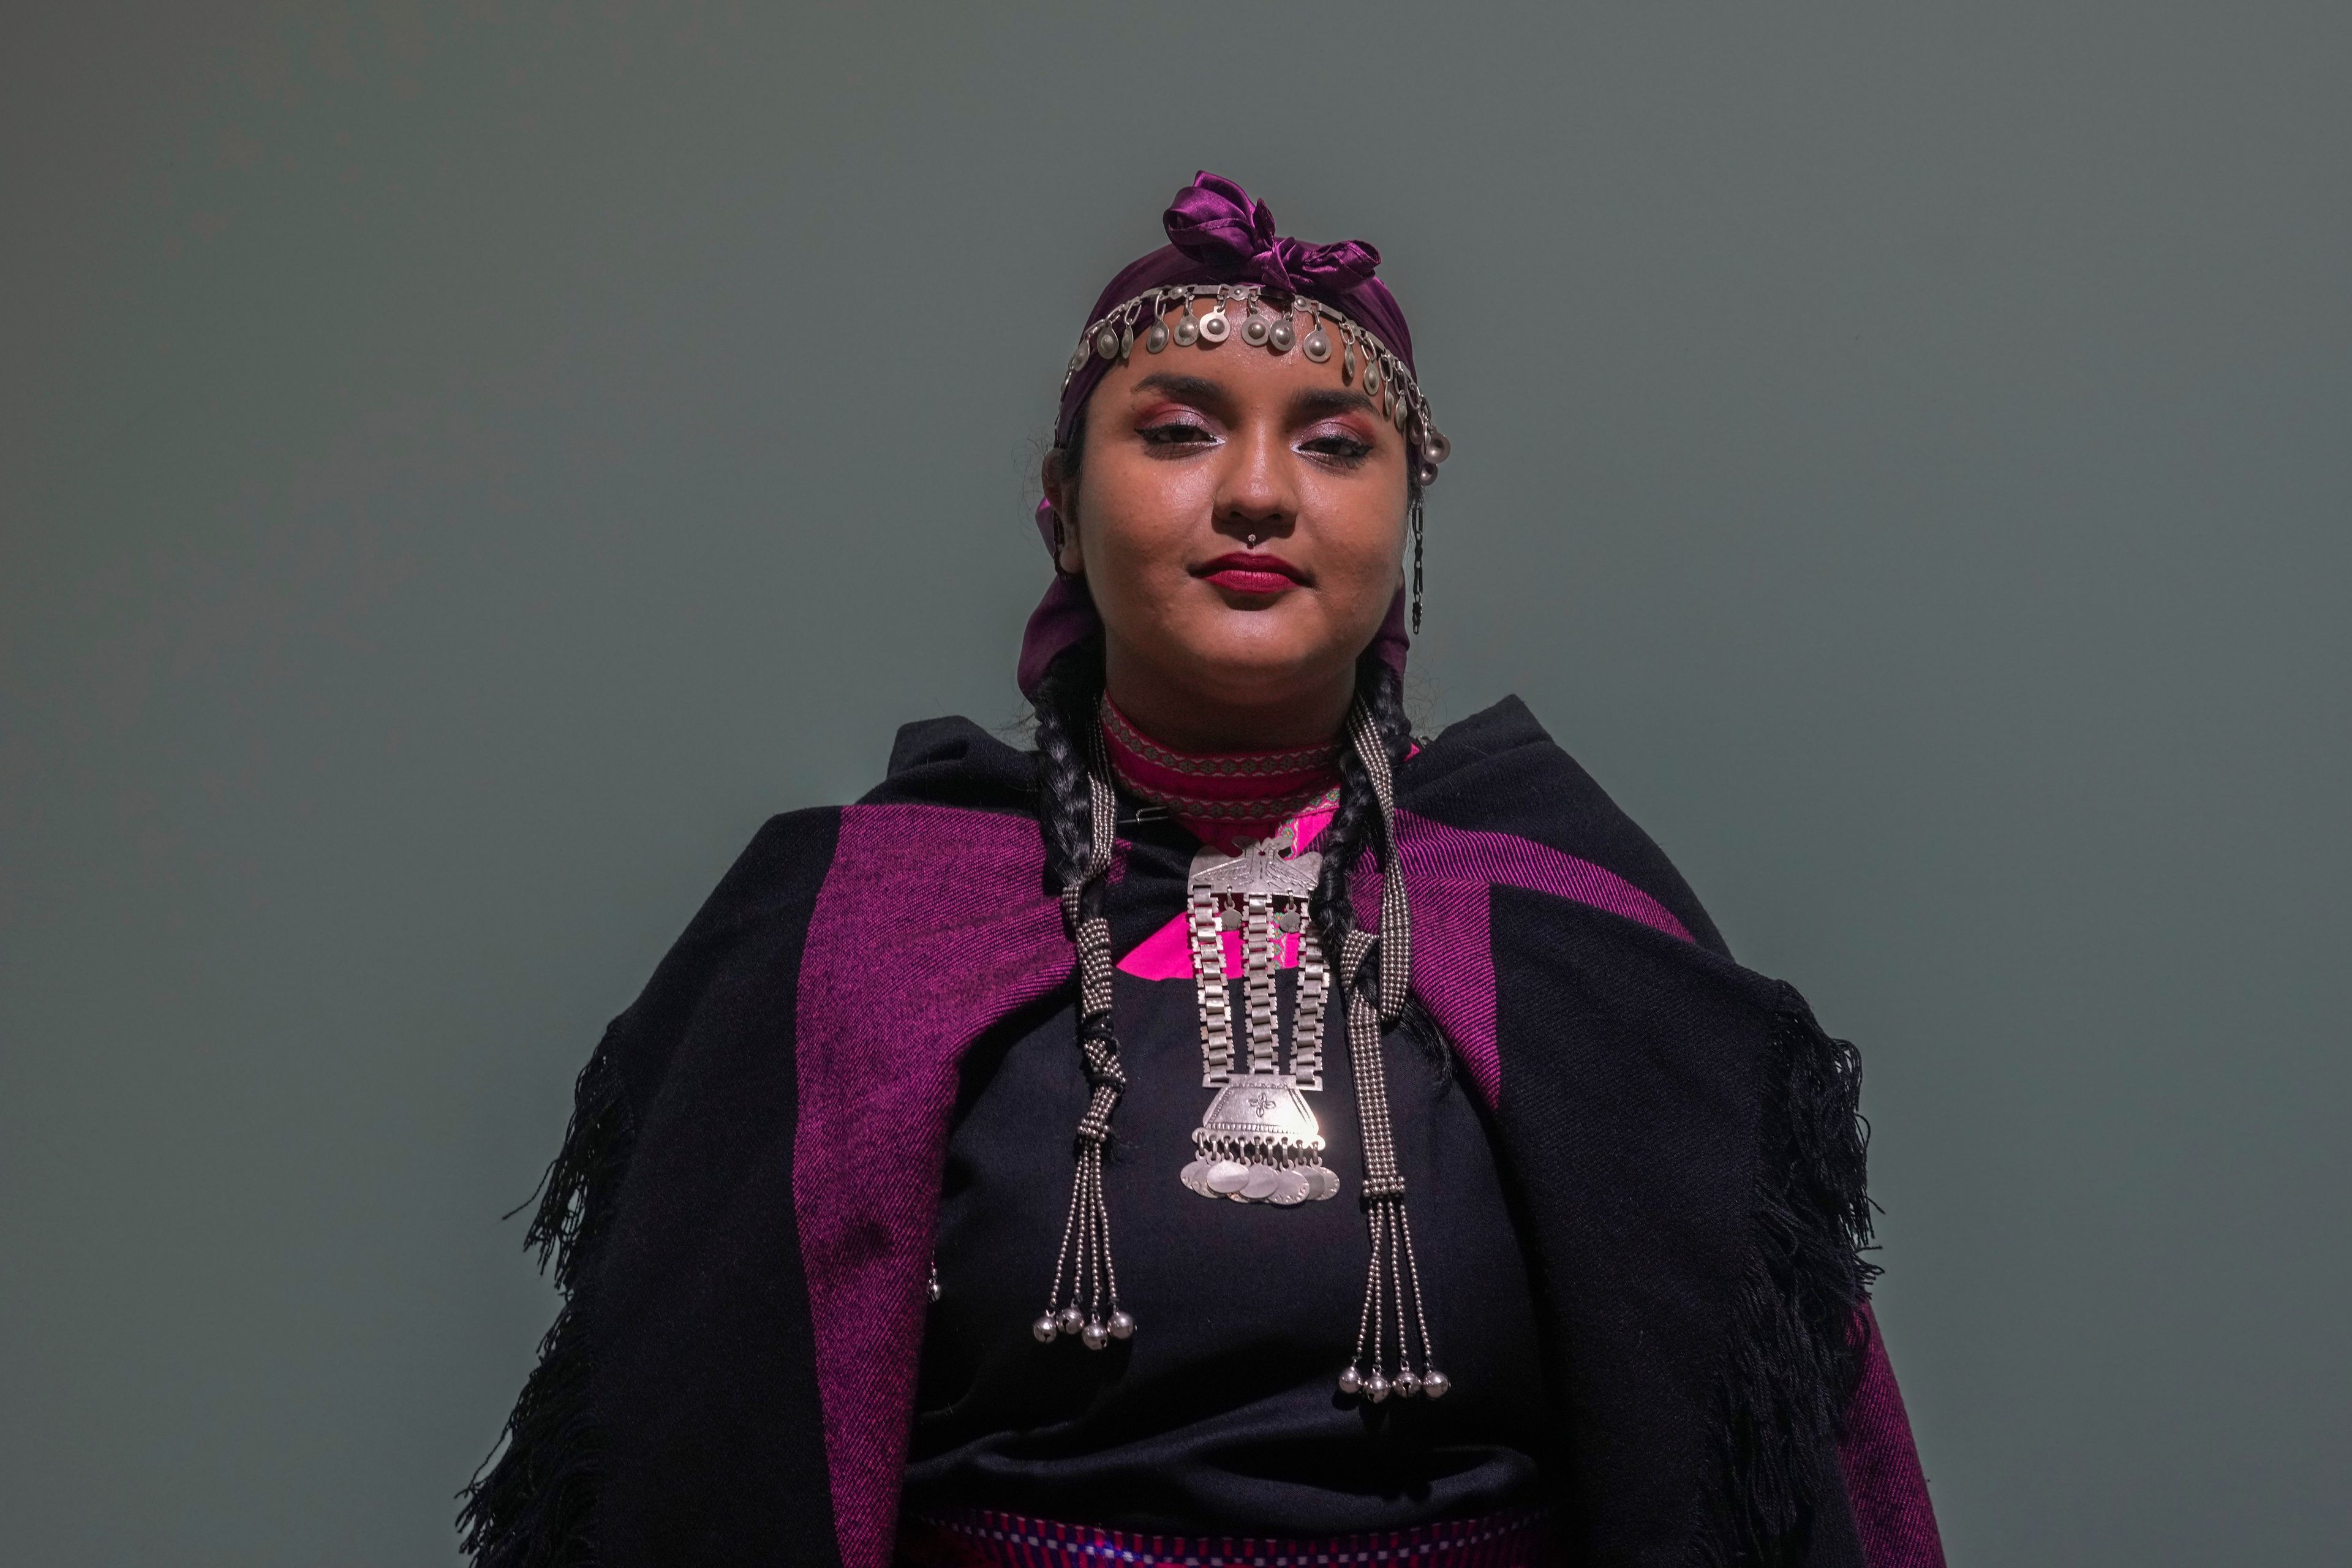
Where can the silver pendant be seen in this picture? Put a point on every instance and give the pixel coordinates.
(1259, 1142)
(1317, 346)
(1281, 336)
(1214, 328)
(1106, 343)
(1255, 329)
(1156, 338)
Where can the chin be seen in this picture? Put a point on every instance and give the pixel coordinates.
(1251, 671)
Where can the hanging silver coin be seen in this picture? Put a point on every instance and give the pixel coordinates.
(1255, 331)
(1322, 1182)
(1214, 328)
(1263, 1180)
(1106, 343)
(1319, 347)
(1156, 338)
(1282, 336)
(1398, 414)
(1195, 1176)
(1225, 1177)
(1371, 377)
(1290, 1188)
(1187, 331)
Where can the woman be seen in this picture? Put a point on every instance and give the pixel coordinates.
(1237, 1130)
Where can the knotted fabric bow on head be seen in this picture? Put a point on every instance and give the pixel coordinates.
(1214, 222)
(1217, 234)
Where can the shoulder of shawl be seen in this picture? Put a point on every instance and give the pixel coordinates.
(1498, 771)
(953, 762)
(748, 932)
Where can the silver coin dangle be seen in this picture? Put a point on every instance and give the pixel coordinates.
(1214, 328)
(1156, 338)
(1317, 346)
(1281, 335)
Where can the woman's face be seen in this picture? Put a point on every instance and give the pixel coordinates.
(1190, 456)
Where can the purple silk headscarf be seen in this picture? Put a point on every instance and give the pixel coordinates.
(1216, 233)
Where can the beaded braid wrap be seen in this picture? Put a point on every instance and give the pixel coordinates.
(1089, 1308)
(1376, 969)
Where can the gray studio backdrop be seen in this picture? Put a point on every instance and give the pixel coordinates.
(463, 466)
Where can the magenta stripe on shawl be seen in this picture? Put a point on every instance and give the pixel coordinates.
(1891, 1510)
(948, 902)
(1450, 876)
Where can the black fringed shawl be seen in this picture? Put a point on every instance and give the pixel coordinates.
(742, 1211)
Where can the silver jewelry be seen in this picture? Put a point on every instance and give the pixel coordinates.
(1392, 1314)
(1089, 1308)
(1271, 323)
(1258, 1141)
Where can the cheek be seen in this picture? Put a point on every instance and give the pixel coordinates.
(1139, 517)
(1364, 538)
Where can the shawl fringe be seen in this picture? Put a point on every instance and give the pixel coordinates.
(530, 1504)
(1799, 1331)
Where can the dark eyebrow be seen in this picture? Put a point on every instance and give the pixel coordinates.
(1322, 401)
(1185, 388)
(1317, 403)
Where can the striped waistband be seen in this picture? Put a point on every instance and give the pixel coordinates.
(977, 1538)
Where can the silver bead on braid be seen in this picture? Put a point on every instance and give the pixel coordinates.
(1089, 1306)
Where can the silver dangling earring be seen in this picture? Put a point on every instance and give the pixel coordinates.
(1416, 566)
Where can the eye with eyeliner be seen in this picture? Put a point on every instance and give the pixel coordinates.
(1338, 447)
(1175, 433)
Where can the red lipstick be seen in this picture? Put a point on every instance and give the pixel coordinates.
(1243, 572)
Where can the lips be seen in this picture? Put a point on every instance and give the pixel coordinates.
(1243, 572)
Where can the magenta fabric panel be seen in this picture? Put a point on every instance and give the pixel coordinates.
(1449, 873)
(914, 890)
(1898, 1522)
(975, 1538)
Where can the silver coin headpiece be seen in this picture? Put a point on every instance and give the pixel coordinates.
(1258, 318)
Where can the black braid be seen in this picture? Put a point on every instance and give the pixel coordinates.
(1065, 706)
(1357, 823)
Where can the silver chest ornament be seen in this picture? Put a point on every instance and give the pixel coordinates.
(1259, 1142)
